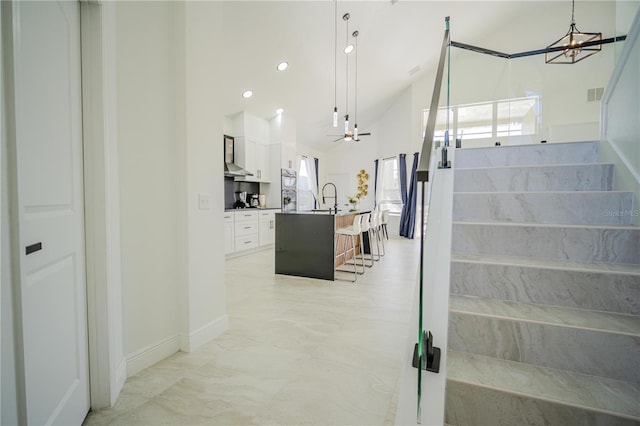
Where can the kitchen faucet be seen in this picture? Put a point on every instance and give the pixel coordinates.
(335, 197)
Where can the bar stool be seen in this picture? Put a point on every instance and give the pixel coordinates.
(351, 231)
(373, 229)
(364, 227)
(379, 230)
(384, 222)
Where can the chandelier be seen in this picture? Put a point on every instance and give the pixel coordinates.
(574, 46)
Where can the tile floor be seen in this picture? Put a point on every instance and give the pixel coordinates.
(298, 351)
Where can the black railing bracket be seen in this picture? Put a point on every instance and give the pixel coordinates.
(430, 354)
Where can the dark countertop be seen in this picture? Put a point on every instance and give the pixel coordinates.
(326, 213)
(248, 209)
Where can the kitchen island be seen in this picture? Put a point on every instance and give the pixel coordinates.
(305, 243)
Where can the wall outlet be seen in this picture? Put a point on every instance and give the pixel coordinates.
(204, 201)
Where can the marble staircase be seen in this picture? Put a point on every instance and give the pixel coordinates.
(544, 323)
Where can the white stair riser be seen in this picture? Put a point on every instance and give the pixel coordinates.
(580, 208)
(469, 405)
(602, 291)
(561, 153)
(567, 348)
(589, 177)
(584, 244)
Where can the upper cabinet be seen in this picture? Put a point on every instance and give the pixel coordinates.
(251, 146)
(251, 127)
(253, 156)
(263, 147)
(282, 136)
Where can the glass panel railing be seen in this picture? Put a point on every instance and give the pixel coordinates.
(523, 100)
(483, 99)
(436, 134)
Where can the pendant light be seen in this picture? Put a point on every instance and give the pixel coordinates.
(335, 63)
(570, 48)
(347, 136)
(355, 126)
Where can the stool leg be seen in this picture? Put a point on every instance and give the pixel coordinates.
(361, 254)
(355, 265)
(372, 231)
(362, 250)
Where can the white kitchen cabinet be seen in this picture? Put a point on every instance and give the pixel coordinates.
(263, 166)
(246, 229)
(229, 234)
(253, 156)
(251, 146)
(267, 227)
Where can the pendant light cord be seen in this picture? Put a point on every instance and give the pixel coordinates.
(346, 108)
(355, 115)
(335, 53)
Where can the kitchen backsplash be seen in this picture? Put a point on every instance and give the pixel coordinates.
(231, 187)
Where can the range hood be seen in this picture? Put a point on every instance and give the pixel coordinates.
(230, 168)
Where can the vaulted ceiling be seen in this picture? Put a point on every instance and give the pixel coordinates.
(398, 43)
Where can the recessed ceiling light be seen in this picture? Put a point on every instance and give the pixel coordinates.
(279, 111)
(283, 65)
(348, 49)
(247, 94)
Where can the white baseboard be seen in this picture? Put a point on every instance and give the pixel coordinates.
(121, 377)
(151, 354)
(206, 333)
(249, 251)
(156, 352)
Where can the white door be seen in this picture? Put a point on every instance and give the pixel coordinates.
(46, 40)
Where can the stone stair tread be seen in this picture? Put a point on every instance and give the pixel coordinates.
(560, 264)
(584, 391)
(546, 314)
(545, 193)
(584, 152)
(535, 166)
(547, 225)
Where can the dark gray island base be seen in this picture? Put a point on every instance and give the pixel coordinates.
(305, 244)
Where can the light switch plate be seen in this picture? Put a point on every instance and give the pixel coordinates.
(204, 201)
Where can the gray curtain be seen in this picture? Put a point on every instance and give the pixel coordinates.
(315, 200)
(408, 216)
(403, 177)
(375, 184)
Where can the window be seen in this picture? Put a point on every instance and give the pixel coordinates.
(475, 121)
(486, 120)
(306, 184)
(389, 181)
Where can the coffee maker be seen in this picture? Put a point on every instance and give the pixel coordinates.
(241, 200)
(254, 200)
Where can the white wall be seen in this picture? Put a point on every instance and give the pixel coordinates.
(392, 135)
(169, 155)
(343, 163)
(206, 310)
(147, 136)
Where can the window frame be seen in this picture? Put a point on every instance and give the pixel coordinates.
(394, 205)
(497, 122)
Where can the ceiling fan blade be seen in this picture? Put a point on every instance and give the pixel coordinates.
(339, 139)
(364, 134)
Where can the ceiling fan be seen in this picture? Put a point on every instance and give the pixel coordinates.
(350, 136)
